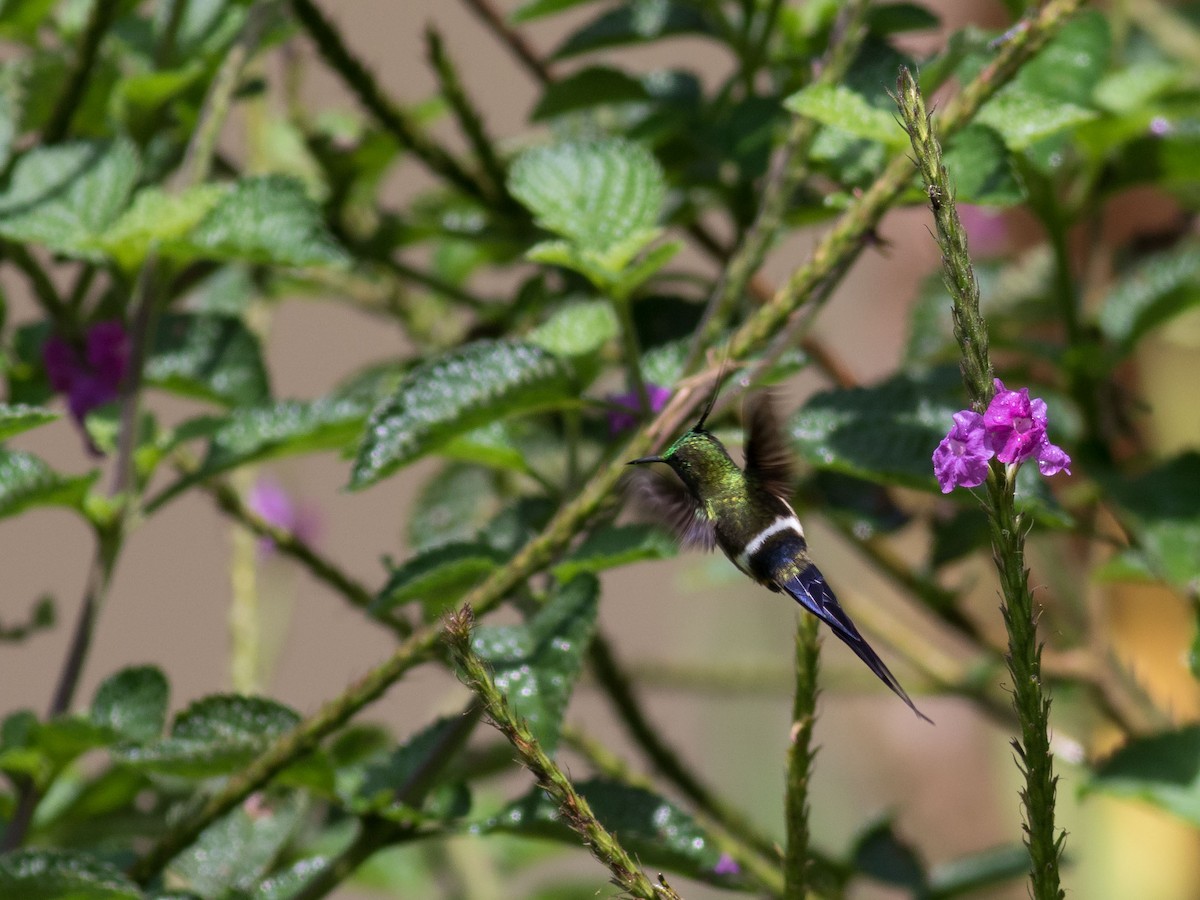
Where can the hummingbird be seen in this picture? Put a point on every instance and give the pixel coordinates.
(713, 503)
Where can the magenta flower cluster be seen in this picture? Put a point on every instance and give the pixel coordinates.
(1013, 429)
(626, 421)
(93, 378)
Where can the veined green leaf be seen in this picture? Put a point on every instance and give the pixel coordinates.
(1022, 117)
(27, 482)
(651, 828)
(576, 329)
(210, 357)
(263, 219)
(19, 417)
(1156, 288)
(1072, 63)
(62, 875)
(979, 168)
(615, 545)
(588, 88)
(455, 503)
(156, 218)
(634, 22)
(596, 194)
(492, 445)
(64, 197)
(454, 394)
(216, 735)
(438, 577)
(1161, 769)
(397, 784)
(849, 111)
(133, 703)
(536, 665)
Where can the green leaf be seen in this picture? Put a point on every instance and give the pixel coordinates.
(266, 219)
(1135, 86)
(1070, 66)
(599, 195)
(62, 875)
(979, 168)
(43, 616)
(537, 9)
(66, 196)
(635, 22)
(896, 18)
(1156, 289)
(587, 88)
(438, 577)
(575, 329)
(27, 482)
(1163, 509)
(536, 665)
(1162, 769)
(613, 546)
(1023, 118)
(397, 784)
(493, 445)
(968, 874)
(156, 218)
(19, 417)
(233, 853)
(454, 394)
(216, 735)
(885, 433)
(652, 829)
(208, 357)
(879, 853)
(452, 506)
(286, 884)
(848, 111)
(133, 703)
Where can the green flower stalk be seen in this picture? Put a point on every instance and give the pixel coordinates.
(800, 759)
(574, 808)
(1032, 703)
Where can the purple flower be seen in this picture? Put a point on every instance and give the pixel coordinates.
(961, 459)
(987, 229)
(625, 421)
(274, 505)
(1013, 428)
(93, 379)
(726, 865)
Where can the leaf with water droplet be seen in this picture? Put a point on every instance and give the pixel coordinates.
(537, 664)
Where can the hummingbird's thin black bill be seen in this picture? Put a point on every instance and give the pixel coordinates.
(645, 459)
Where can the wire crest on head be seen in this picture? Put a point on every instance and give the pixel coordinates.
(712, 397)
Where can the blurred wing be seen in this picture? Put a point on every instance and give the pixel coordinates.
(768, 459)
(665, 499)
(809, 589)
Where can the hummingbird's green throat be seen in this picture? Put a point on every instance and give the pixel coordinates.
(745, 512)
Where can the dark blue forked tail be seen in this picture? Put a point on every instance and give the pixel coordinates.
(810, 591)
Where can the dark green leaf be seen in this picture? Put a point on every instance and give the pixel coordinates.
(1022, 117)
(20, 417)
(133, 703)
(599, 195)
(968, 874)
(1163, 507)
(454, 504)
(635, 22)
(1070, 66)
(1163, 769)
(1153, 291)
(42, 616)
(62, 875)
(27, 482)
(264, 219)
(895, 18)
(438, 578)
(652, 829)
(234, 852)
(1132, 88)
(879, 853)
(537, 9)
(615, 545)
(209, 357)
(398, 783)
(66, 196)
(454, 394)
(953, 538)
(287, 884)
(493, 445)
(536, 665)
(214, 736)
(593, 86)
(885, 433)
(979, 168)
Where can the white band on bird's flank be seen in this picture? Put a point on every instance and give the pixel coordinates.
(783, 523)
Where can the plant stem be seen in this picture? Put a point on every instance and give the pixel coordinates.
(59, 122)
(511, 38)
(364, 86)
(1008, 531)
(800, 759)
(576, 812)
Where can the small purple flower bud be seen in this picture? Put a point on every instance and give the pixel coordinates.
(1016, 425)
(93, 379)
(726, 865)
(960, 460)
(1160, 126)
(274, 505)
(626, 421)
(1052, 459)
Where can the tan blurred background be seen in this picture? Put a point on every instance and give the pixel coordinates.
(952, 788)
